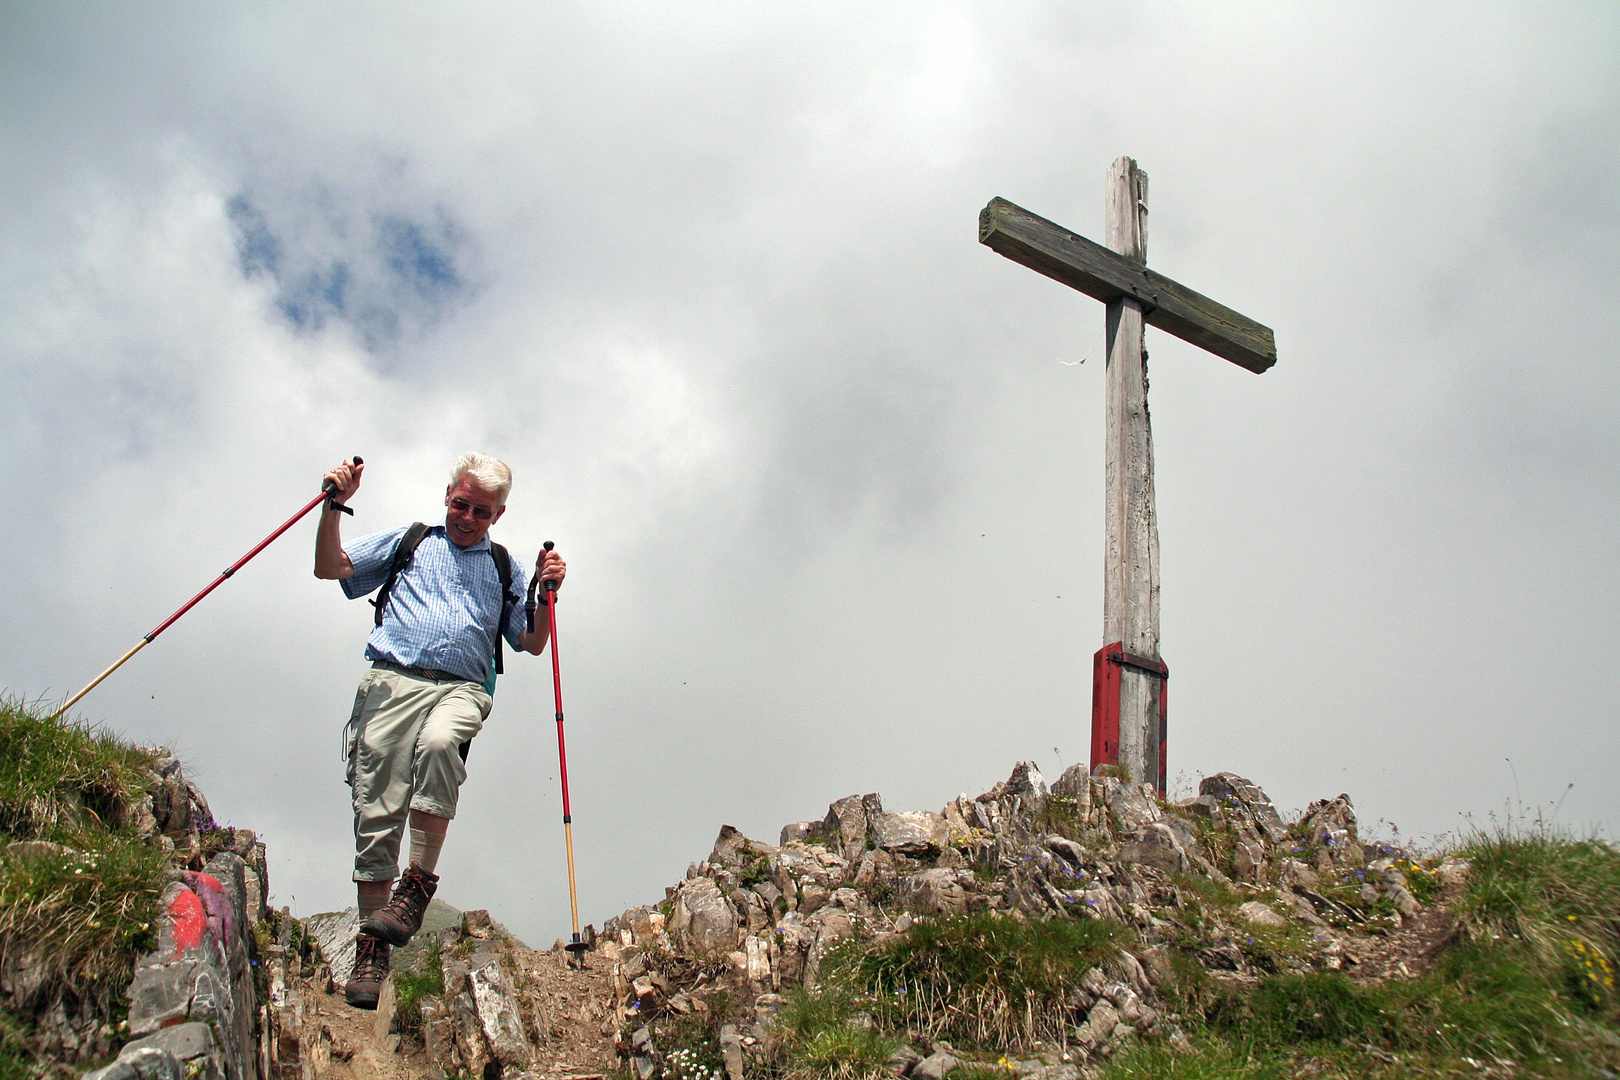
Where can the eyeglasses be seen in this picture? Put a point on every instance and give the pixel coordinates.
(462, 506)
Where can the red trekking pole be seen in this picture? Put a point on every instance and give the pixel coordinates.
(575, 947)
(328, 494)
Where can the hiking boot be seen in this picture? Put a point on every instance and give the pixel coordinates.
(370, 969)
(403, 916)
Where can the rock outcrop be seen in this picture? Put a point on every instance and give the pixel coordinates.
(755, 920)
(193, 1003)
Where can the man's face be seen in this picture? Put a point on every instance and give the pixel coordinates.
(469, 512)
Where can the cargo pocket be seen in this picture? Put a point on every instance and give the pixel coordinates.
(350, 748)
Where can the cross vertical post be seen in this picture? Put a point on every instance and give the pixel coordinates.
(1131, 553)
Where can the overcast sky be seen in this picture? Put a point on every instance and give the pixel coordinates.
(828, 473)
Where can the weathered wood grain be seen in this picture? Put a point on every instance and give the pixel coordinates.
(1131, 542)
(1105, 275)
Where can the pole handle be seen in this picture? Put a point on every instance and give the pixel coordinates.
(331, 492)
(533, 603)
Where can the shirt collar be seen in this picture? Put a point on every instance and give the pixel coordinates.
(482, 545)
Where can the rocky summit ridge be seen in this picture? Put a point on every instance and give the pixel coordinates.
(700, 985)
(754, 920)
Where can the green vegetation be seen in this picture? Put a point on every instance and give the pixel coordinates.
(695, 1038)
(826, 1033)
(421, 977)
(79, 898)
(58, 776)
(986, 979)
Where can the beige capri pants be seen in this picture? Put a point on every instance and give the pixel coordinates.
(404, 743)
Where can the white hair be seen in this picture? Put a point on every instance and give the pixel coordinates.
(490, 473)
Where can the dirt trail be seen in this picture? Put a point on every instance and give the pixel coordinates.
(1412, 951)
(568, 1013)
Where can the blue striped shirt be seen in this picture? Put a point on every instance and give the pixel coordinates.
(443, 608)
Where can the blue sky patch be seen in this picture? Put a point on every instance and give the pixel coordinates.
(387, 274)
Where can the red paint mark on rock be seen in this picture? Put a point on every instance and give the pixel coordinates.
(189, 920)
(221, 917)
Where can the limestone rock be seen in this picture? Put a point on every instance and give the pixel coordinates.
(498, 1016)
(876, 870)
(835, 926)
(1243, 803)
(1026, 779)
(1062, 845)
(1392, 884)
(813, 897)
(182, 1052)
(1157, 846)
(849, 822)
(1293, 872)
(731, 1051)
(1099, 1025)
(147, 1063)
(903, 1060)
(704, 919)
(1260, 915)
(193, 997)
(932, 891)
(334, 932)
(1332, 824)
(1133, 805)
(936, 1066)
(958, 827)
(916, 833)
(1074, 782)
(803, 832)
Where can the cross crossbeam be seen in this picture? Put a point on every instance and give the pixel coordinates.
(1050, 249)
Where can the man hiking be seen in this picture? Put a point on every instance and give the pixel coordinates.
(448, 595)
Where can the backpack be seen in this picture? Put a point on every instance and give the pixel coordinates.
(402, 558)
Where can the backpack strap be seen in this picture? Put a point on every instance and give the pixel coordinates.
(402, 558)
(503, 568)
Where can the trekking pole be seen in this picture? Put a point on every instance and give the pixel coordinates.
(328, 494)
(575, 947)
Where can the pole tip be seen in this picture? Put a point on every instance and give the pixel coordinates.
(548, 545)
(358, 460)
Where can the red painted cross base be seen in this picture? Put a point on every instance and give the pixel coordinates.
(1105, 691)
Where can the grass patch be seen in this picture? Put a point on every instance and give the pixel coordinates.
(986, 979)
(825, 1033)
(422, 979)
(842, 1053)
(63, 776)
(1061, 814)
(83, 913)
(1557, 895)
(1319, 1007)
(1211, 1059)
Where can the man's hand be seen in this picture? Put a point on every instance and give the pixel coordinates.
(550, 567)
(331, 561)
(346, 478)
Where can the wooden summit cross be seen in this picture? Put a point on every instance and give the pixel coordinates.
(1128, 714)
